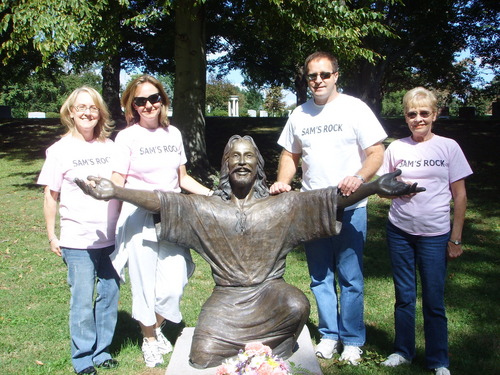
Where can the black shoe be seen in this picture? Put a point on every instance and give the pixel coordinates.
(88, 371)
(108, 364)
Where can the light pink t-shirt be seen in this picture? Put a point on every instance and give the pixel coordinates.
(86, 223)
(150, 158)
(434, 164)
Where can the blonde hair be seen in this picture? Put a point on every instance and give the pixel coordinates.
(127, 101)
(420, 97)
(104, 126)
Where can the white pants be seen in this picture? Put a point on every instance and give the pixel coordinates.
(158, 270)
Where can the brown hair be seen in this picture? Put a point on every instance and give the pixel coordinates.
(127, 101)
(321, 55)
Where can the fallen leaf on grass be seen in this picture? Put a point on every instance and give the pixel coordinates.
(40, 363)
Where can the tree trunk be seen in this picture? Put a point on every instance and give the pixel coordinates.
(366, 84)
(300, 86)
(190, 84)
(111, 89)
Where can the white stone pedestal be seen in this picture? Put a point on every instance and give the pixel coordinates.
(304, 357)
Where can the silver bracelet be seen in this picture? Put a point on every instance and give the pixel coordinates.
(360, 177)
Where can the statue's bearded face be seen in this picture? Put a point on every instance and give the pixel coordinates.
(242, 163)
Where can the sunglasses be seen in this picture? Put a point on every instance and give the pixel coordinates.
(323, 75)
(424, 114)
(141, 101)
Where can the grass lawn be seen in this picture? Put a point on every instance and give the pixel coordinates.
(34, 296)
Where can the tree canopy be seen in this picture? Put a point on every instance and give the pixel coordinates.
(383, 45)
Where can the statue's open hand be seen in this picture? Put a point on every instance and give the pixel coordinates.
(99, 188)
(388, 185)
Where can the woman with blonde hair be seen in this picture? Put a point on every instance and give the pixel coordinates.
(151, 158)
(87, 227)
(419, 234)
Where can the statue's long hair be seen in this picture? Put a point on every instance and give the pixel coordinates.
(260, 187)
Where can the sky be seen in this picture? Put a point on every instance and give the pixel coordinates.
(236, 79)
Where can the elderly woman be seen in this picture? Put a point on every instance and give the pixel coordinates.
(418, 229)
(87, 235)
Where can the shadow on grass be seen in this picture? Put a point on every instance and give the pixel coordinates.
(473, 282)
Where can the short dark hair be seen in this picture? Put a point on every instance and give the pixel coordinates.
(321, 55)
(260, 187)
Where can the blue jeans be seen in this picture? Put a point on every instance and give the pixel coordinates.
(91, 322)
(339, 260)
(407, 252)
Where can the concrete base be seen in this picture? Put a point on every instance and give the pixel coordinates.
(303, 358)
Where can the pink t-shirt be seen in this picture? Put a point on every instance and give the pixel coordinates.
(150, 158)
(86, 223)
(434, 164)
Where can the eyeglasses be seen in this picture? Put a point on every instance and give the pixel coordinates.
(424, 114)
(141, 101)
(323, 75)
(83, 108)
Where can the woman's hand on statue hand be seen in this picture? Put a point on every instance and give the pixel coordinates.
(390, 186)
(97, 187)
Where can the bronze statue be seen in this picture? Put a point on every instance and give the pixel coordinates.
(245, 235)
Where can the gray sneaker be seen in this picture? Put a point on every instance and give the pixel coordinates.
(442, 371)
(395, 360)
(164, 346)
(151, 354)
(351, 354)
(327, 348)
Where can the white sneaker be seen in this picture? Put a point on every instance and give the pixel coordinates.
(442, 371)
(395, 360)
(151, 354)
(164, 346)
(351, 354)
(327, 348)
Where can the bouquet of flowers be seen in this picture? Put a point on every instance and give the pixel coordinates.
(256, 359)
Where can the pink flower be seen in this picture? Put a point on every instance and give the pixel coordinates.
(223, 370)
(265, 369)
(257, 348)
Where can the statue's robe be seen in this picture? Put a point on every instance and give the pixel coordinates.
(246, 249)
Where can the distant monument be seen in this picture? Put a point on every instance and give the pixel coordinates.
(233, 106)
(36, 114)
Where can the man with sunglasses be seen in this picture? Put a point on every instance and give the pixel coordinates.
(339, 140)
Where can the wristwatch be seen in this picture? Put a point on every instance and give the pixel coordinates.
(456, 242)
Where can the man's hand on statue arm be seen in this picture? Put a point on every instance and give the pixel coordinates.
(286, 170)
(374, 158)
(386, 185)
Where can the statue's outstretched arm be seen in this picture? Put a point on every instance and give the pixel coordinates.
(386, 185)
(103, 189)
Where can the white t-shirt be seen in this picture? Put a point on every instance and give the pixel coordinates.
(150, 158)
(86, 223)
(434, 164)
(331, 139)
